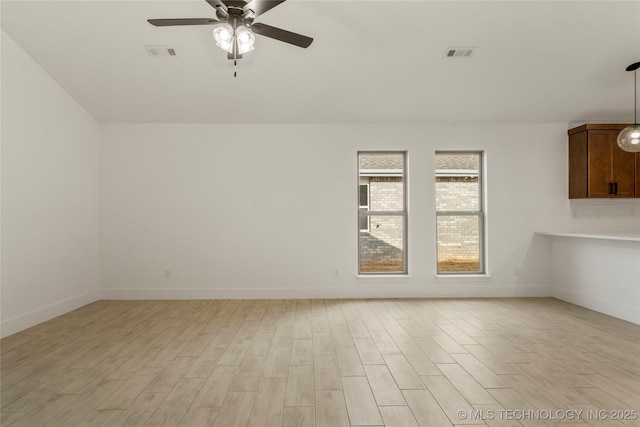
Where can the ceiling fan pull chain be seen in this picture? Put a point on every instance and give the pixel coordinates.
(235, 68)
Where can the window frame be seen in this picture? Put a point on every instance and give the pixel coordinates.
(369, 213)
(480, 214)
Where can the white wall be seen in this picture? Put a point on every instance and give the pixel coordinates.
(605, 215)
(269, 211)
(49, 186)
(603, 275)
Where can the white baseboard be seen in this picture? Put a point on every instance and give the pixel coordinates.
(624, 312)
(32, 318)
(373, 291)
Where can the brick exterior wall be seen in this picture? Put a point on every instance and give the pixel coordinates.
(458, 236)
(385, 193)
(457, 194)
(384, 240)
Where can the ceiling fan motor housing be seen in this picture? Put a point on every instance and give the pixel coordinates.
(235, 15)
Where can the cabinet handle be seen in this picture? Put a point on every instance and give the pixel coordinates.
(615, 188)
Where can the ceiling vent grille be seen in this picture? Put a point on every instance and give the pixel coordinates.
(460, 52)
(160, 51)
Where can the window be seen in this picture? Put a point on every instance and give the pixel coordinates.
(382, 214)
(459, 213)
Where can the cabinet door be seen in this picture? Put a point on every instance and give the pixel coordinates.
(622, 168)
(637, 174)
(599, 163)
(578, 167)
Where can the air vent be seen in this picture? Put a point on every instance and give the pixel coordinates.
(460, 52)
(160, 51)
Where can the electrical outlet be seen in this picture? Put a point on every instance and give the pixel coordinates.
(167, 274)
(517, 272)
(336, 272)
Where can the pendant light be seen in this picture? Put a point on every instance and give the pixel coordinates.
(629, 137)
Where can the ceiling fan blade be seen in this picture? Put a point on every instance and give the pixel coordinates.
(182, 21)
(261, 6)
(282, 35)
(216, 4)
(240, 4)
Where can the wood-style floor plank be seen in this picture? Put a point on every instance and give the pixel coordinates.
(199, 417)
(300, 389)
(473, 392)
(349, 362)
(449, 398)
(361, 405)
(173, 408)
(331, 409)
(326, 373)
(425, 409)
(141, 409)
(368, 351)
(398, 416)
(299, 416)
(235, 409)
(406, 378)
(302, 352)
(268, 405)
(383, 385)
(215, 388)
(480, 372)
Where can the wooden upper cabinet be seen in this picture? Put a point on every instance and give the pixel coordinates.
(598, 168)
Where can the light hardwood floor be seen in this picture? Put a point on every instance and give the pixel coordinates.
(324, 363)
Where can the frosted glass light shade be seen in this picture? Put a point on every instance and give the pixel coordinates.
(245, 38)
(223, 34)
(629, 138)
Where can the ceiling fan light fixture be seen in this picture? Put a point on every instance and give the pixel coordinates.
(629, 137)
(223, 35)
(245, 38)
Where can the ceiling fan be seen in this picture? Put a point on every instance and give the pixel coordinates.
(235, 27)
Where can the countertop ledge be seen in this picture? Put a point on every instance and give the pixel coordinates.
(630, 236)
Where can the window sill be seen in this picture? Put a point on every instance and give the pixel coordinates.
(462, 277)
(378, 278)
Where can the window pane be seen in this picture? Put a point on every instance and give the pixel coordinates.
(457, 182)
(385, 172)
(381, 248)
(458, 243)
(363, 220)
(364, 195)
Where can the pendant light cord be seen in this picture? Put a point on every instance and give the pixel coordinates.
(634, 67)
(635, 96)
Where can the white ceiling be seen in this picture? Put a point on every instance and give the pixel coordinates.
(371, 61)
